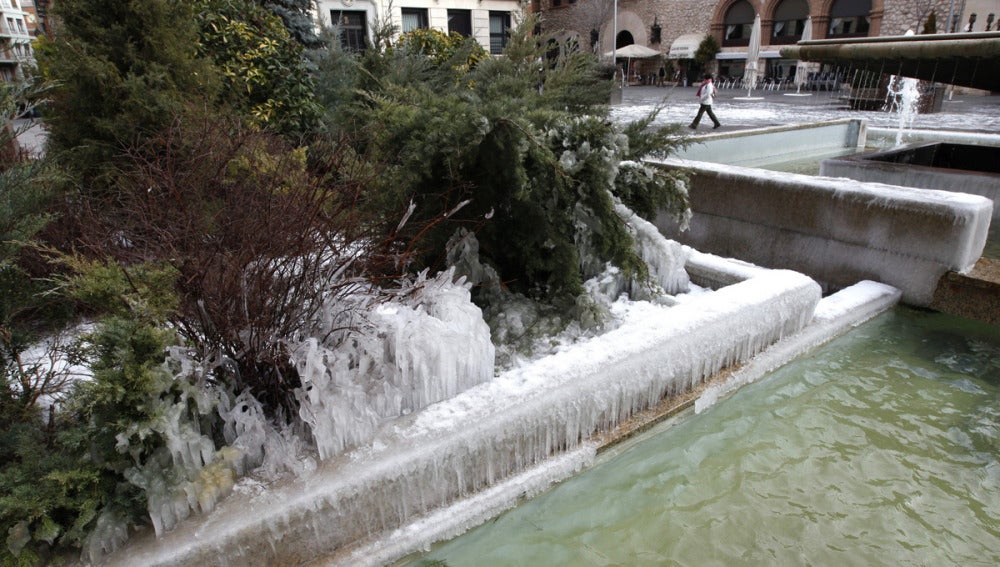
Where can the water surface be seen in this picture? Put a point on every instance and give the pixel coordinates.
(992, 249)
(882, 448)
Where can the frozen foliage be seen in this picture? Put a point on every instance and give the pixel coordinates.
(188, 473)
(666, 258)
(426, 345)
(523, 329)
(262, 446)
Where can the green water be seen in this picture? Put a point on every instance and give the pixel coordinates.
(806, 163)
(992, 250)
(881, 448)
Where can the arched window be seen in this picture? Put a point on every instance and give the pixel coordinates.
(624, 38)
(739, 22)
(790, 21)
(850, 18)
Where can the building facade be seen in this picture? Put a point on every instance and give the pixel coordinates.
(16, 53)
(488, 21)
(677, 27)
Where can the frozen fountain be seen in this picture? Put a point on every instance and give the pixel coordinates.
(435, 471)
(461, 445)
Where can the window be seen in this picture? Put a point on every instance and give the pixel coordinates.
(790, 21)
(414, 19)
(739, 24)
(850, 18)
(499, 31)
(20, 26)
(460, 22)
(353, 29)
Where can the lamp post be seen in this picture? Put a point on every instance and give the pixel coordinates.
(614, 37)
(614, 30)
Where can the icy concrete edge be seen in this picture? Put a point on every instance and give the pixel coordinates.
(838, 231)
(452, 521)
(835, 315)
(886, 137)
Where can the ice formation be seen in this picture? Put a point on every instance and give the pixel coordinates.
(421, 348)
(666, 258)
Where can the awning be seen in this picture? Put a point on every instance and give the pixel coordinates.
(722, 55)
(684, 46)
(634, 51)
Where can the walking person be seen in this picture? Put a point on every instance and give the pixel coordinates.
(705, 94)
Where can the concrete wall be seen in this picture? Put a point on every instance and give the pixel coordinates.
(836, 231)
(775, 144)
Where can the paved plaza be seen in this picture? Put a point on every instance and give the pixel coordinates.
(972, 113)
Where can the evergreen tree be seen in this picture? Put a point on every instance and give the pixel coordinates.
(519, 148)
(930, 26)
(121, 68)
(707, 50)
(297, 17)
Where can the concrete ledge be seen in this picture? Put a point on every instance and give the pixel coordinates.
(886, 137)
(837, 231)
(866, 168)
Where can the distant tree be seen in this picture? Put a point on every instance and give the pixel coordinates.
(707, 50)
(930, 26)
(298, 19)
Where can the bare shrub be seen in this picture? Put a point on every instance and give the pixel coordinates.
(259, 233)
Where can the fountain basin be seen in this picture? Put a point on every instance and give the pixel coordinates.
(494, 432)
(946, 166)
(750, 148)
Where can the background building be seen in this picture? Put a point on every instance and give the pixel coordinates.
(16, 53)
(677, 27)
(488, 21)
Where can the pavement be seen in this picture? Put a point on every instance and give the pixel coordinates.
(30, 135)
(678, 105)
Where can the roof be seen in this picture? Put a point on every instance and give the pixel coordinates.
(966, 59)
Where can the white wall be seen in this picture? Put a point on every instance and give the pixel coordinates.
(437, 12)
